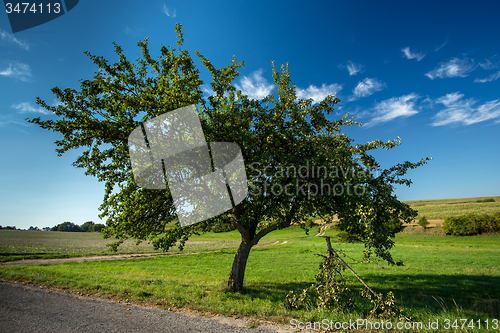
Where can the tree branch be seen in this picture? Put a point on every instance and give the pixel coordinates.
(335, 255)
(284, 224)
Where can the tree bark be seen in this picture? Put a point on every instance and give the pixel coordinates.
(237, 274)
(248, 240)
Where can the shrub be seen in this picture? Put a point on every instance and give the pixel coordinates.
(423, 222)
(310, 223)
(486, 200)
(472, 224)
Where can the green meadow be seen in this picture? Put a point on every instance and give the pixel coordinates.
(443, 277)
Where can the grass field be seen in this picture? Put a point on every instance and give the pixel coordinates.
(24, 244)
(444, 277)
(440, 209)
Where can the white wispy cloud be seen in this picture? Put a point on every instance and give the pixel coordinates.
(490, 78)
(255, 86)
(318, 93)
(206, 89)
(27, 107)
(8, 122)
(11, 119)
(366, 88)
(352, 68)
(8, 37)
(453, 68)
(56, 103)
(441, 46)
(17, 70)
(458, 110)
(489, 65)
(133, 32)
(395, 107)
(169, 12)
(412, 55)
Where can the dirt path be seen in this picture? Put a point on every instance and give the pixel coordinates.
(82, 259)
(109, 257)
(432, 222)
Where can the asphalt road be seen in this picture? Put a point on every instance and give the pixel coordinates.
(33, 309)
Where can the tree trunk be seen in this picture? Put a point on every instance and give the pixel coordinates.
(248, 240)
(235, 282)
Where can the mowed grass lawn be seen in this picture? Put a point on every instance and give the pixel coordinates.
(444, 277)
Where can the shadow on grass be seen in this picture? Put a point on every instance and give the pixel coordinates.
(473, 295)
(476, 296)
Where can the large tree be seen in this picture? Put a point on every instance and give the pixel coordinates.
(298, 162)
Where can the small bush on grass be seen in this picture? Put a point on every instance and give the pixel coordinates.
(486, 200)
(423, 222)
(416, 230)
(310, 223)
(344, 237)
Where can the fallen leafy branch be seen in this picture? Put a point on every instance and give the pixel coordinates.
(331, 291)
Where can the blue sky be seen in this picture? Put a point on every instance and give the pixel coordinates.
(428, 72)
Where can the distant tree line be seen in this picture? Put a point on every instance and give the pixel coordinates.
(38, 229)
(88, 226)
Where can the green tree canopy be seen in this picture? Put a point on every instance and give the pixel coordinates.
(67, 226)
(97, 227)
(87, 226)
(277, 134)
